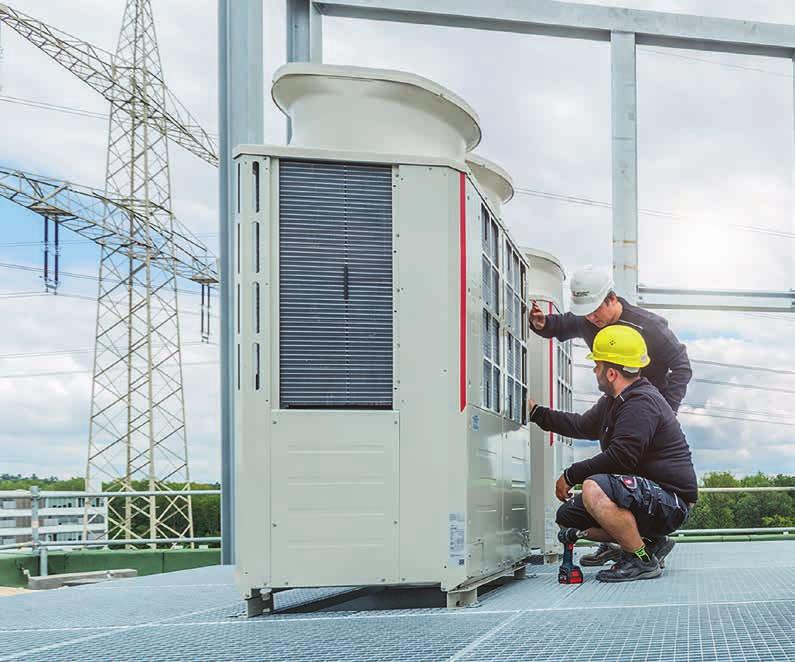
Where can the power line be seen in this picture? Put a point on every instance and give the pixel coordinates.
(20, 244)
(44, 105)
(727, 65)
(69, 274)
(85, 350)
(676, 218)
(739, 366)
(755, 387)
(786, 416)
(716, 382)
(83, 297)
(22, 295)
(58, 373)
(708, 415)
(71, 110)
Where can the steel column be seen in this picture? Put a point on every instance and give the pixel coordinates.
(625, 163)
(241, 119)
(304, 36)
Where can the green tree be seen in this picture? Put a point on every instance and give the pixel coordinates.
(743, 509)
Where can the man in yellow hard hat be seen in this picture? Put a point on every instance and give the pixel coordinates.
(642, 484)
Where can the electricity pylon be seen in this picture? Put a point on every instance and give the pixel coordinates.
(137, 425)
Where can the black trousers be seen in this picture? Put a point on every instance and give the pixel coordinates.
(656, 511)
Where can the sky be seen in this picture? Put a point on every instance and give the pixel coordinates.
(715, 138)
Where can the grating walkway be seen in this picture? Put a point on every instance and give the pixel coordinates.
(715, 601)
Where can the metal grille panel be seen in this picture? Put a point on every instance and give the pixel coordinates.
(335, 290)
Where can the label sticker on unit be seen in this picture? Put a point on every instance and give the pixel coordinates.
(457, 539)
(476, 422)
(550, 527)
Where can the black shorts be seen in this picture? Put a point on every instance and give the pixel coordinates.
(656, 511)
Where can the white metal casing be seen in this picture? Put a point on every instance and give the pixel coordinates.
(550, 386)
(436, 489)
(365, 497)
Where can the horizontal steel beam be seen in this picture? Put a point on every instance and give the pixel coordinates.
(740, 300)
(731, 532)
(110, 543)
(579, 21)
(722, 490)
(44, 494)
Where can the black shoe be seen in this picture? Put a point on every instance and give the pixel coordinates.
(607, 551)
(629, 568)
(660, 547)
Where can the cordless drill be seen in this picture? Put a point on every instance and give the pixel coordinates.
(569, 573)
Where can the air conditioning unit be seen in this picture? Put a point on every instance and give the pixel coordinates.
(382, 371)
(551, 385)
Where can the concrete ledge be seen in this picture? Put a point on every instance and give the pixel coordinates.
(77, 578)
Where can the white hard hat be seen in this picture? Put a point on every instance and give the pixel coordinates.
(589, 288)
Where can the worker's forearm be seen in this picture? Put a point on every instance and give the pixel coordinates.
(563, 423)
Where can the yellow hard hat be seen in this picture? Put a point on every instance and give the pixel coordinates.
(621, 345)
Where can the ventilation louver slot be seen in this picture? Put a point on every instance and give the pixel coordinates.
(335, 289)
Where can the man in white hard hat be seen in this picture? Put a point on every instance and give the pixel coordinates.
(595, 305)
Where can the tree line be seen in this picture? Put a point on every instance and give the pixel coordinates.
(713, 510)
(743, 510)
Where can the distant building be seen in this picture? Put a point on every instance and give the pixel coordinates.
(60, 517)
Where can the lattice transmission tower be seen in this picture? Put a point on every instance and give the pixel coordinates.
(137, 426)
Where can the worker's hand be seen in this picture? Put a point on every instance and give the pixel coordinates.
(531, 404)
(562, 489)
(537, 317)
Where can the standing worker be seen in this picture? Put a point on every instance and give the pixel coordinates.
(594, 305)
(642, 484)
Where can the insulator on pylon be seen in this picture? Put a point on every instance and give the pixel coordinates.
(205, 312)
(56, 277)
(46, 254)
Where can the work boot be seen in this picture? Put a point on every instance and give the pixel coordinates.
(629, 568)
(660, 547)
(607, 551)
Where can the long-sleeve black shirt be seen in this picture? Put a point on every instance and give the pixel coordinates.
(639, 435)
(669, 369)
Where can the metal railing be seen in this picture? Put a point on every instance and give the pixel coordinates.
(39, 547)
(785, 530)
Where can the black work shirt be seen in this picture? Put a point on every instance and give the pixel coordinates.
(669, 369)
(639, 435)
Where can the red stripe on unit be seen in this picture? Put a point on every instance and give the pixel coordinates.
(551, 378)
(462, 321)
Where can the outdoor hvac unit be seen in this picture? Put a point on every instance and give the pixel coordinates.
(551, 375)
(381, 379)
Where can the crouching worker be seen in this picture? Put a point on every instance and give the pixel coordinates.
(642, 485)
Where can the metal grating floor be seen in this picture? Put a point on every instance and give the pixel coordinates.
(715, 601)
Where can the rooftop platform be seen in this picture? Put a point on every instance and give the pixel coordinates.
(715, 601)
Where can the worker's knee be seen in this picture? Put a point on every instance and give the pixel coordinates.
(592, 492)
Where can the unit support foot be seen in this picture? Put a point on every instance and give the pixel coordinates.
(462, 598)
(259, 603)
